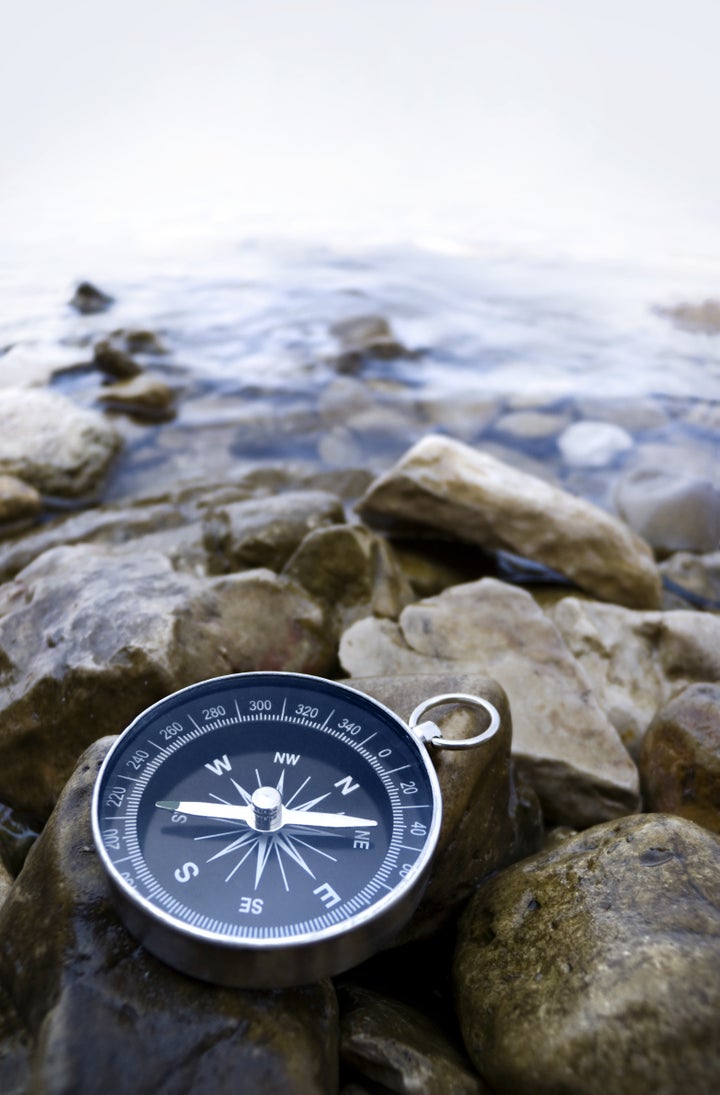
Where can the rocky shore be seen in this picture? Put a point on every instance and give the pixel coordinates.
(569, 938)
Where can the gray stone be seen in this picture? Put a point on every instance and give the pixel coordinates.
(392, 1044)
(444, 485)
(352, 571)
(101, 1014)
(595, 967)
(89, 300)
(673, 511)
(532, 424)
(680, 757)
(635, 661)
(265, 531)
(56, 446)
(563, 741)
(589, 444)
(365, 336)
(699, 318)
(489, 819)
(89, 637)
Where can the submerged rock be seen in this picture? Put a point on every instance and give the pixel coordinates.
(53, 444)
(449, 487)
(88, 299)
(361, 337)
(636, 661)
(563, 741)
(595, 967)
(99, 1013)
(90, 637)
(680, 757)
(671, 510)
(700, 318)
(392, 1044)
(589, 444)
(114, 359)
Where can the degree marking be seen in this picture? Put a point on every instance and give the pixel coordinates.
(192, 720)
(401, 769)
(327, 720)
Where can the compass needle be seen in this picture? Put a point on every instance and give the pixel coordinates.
(307, 873)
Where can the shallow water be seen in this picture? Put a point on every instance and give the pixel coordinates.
(492, 336)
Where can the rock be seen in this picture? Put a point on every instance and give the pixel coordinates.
(702, 318)
(680, 757)
(392, 1044)
(635, 661)
(90, 637)
(49, 442)
(352, 571)
(691, 578)
(488, 820)
(531, 425)
(109, 357)
(446, 486)
(432, 565)
(361, 337)
(88, 299)
(265, 531)
(17, 836)
(145, 396)
(18, 500)
(595, 967)
(634, 414)
(101, 1014)
(672, 511)
(563, 742)
(464, 415)
(591, 444)
(136, 340)
(6, 881)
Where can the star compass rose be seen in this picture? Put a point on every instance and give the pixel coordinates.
(270, 830)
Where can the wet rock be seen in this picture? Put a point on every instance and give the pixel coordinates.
(114, 360)
(6, 881)
(144, 396)
(563, 742)
(138, 340)
(17, 836)
(352, 571)
(680, 757)
(100, 1013)
(671, 510)
(446, 486)
(595, 967)
(591, 444)
(635, 661)
(389, 1043)
(464, 416)
(634, 414)
(361, 337)
(49, 442)
(702, 318)
(489, 820)
(18, 500)
(691, 578)
(89, 637)
(265, 531)
(89, 300)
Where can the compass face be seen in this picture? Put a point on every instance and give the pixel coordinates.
(266, 828)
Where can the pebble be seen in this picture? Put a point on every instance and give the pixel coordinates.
(145, 396)
(89, 300)
(591, 444)
(18, 500)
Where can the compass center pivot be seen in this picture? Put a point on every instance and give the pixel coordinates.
(266, 805)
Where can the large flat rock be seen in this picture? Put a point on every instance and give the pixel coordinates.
(562, 738)
(446, 486)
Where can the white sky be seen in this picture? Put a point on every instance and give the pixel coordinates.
(587, 122)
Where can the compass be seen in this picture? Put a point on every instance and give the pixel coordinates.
(269, 829)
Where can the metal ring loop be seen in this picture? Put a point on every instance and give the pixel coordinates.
(426, 730)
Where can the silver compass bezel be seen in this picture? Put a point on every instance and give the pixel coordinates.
(286, 960)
